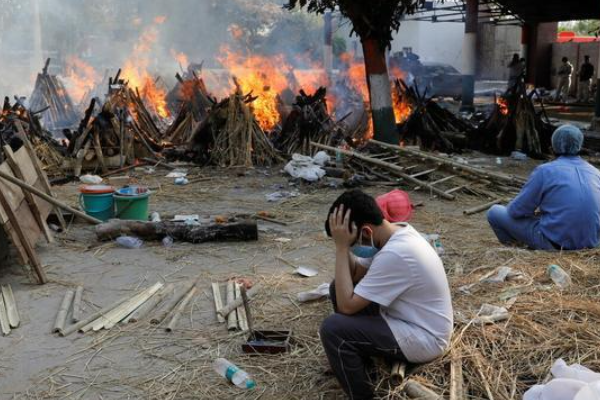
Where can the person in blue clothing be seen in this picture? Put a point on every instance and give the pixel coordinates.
(559, 206)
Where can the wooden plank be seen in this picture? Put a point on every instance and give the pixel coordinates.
(423, 173)
(17, 235)
(396, 170)
(443, 180)
(218, 300)
(33, 205)
(43, 179)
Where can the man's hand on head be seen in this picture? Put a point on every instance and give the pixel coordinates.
(343, 232)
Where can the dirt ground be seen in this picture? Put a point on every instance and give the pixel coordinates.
(142, 361)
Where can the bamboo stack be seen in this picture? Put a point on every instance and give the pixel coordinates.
(9, 315)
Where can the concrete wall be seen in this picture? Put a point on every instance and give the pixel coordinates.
(495, 48)
(575, 52)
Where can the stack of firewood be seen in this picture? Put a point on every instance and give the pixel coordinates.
(308, 121)
(51, 100)
(430, 126)
(515, 125)
(18, 123)
(190, 101)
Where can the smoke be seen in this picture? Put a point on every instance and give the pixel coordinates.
(105, 34)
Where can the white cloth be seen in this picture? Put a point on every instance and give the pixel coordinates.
(408, 281)
(570, 382)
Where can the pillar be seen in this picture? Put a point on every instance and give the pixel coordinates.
(470, 55)
(525, 34)
(597, 113)
(328, 45)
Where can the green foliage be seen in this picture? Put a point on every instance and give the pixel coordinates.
(584, 27)
(373, 19)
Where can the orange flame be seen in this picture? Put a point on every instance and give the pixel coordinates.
(263, 77)
(135, 71)
(181, 58)
(81, 78)
(502, 105)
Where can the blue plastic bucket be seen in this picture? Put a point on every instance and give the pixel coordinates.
(100, 206)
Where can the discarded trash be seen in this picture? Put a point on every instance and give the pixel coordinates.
(276, 196)
(502, 274)
(129, 242)
(149, 170)
(489, 314)
(559, 276)
(167, 241)
(435, 242)
(186, 218)
(155, 217)
(315, 294)
(177, 174)
(306, 272)
(90, 179)
(321, 158)
(233, 374)
(181, 181)
(305, 167)
(282, 240)
(519, 156)
(571, 382)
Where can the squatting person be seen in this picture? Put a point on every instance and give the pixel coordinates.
(559, 206)
(390, 295)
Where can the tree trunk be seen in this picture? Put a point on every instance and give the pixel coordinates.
(243, 230)
(380, 92)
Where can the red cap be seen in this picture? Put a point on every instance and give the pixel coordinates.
(396, 206)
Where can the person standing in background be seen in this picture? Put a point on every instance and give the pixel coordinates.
(586, 73)
(565, 71)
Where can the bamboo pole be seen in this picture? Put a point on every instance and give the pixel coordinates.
(398, 373)
(49, 199)
(14, 319)
(148, 306)
(241, 311)
(218, 300)
(180, 308)
(230, 306)
(171, 304)
(61, 317)
(395, 169)
(232, 323)
(415, 390)
(92, 317)
(115, 316)
(456, 378)
(4, 324)
(482, 207)
(77, 304)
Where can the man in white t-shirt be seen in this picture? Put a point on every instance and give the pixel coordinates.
(390, 294)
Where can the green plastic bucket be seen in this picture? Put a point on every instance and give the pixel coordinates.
(132, 207)
(99, 206)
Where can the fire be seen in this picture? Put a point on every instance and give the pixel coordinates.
(181, 58)
(160, 20)
(263, 77)
(135, 71)
(81, 78)
(502, 105)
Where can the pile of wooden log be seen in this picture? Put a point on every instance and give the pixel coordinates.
(51, 100)
(430, 126)
(308, 121)
(190, 102)
(230, 136)
(115, 133)
(18, 123)
(515, 125)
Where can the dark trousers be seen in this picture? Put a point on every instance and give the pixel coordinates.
(351, 340)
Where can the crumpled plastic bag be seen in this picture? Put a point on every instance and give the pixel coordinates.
(571, 382)
(305, 167)
(90, 179)
(315, 294)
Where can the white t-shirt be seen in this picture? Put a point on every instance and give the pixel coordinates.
(408, 281)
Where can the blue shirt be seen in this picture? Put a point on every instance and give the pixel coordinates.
(567, 193)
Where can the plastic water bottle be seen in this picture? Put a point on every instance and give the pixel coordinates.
(436, 242)
(167, 241)
(559, 276)
(129, 242)
(233, 374)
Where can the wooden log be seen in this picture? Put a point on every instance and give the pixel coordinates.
(61, 317)
(242, 230)
(456, 378)
(232, 324)
(148, 306)
(231, 306)
(216, 289)
(180, 309)
(14, 319)
(482, 207)
(77, 304)
(396, 170)
(48, 198)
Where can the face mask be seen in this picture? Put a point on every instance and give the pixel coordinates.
(359, 250)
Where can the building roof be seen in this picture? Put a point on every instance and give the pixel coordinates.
(552, 10)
